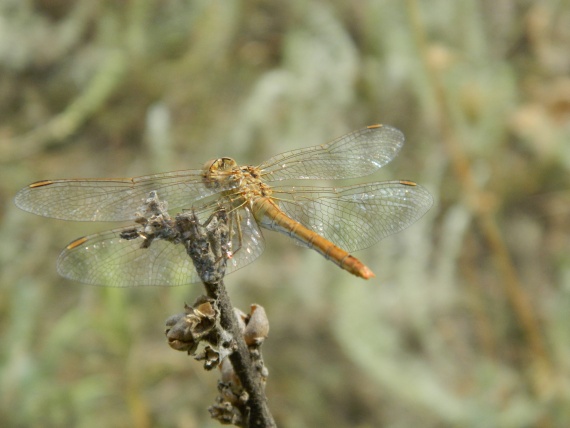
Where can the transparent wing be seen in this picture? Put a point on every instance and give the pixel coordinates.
(355, 217)
(109, 260)
(112, 199)
(247, 240)
(353, 155)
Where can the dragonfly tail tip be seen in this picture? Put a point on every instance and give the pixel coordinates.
(366, 273)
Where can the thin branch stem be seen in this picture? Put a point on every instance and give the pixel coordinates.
(207, 245)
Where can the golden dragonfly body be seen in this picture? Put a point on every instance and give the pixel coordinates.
(331, 220)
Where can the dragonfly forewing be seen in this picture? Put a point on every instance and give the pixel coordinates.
(356, 154)
(113, 199)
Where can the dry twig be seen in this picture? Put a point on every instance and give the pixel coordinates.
(234, 339)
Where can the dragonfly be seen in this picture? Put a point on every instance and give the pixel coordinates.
(334, 221)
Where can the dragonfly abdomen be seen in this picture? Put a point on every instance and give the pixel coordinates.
(270, 216)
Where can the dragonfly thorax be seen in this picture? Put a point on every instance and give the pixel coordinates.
(251, 185)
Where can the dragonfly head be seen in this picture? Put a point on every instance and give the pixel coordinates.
(221, 164)
(217, 170)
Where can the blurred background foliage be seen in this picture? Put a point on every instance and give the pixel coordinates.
(467, 322)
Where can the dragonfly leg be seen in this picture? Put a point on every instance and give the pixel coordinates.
(237, 218)
(234, 219)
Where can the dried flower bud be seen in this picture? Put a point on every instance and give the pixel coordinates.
(210, 356)
(184, 331)
(206, 309)
(257, 328)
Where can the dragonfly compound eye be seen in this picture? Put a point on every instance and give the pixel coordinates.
(216, 171)
(220, 164)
